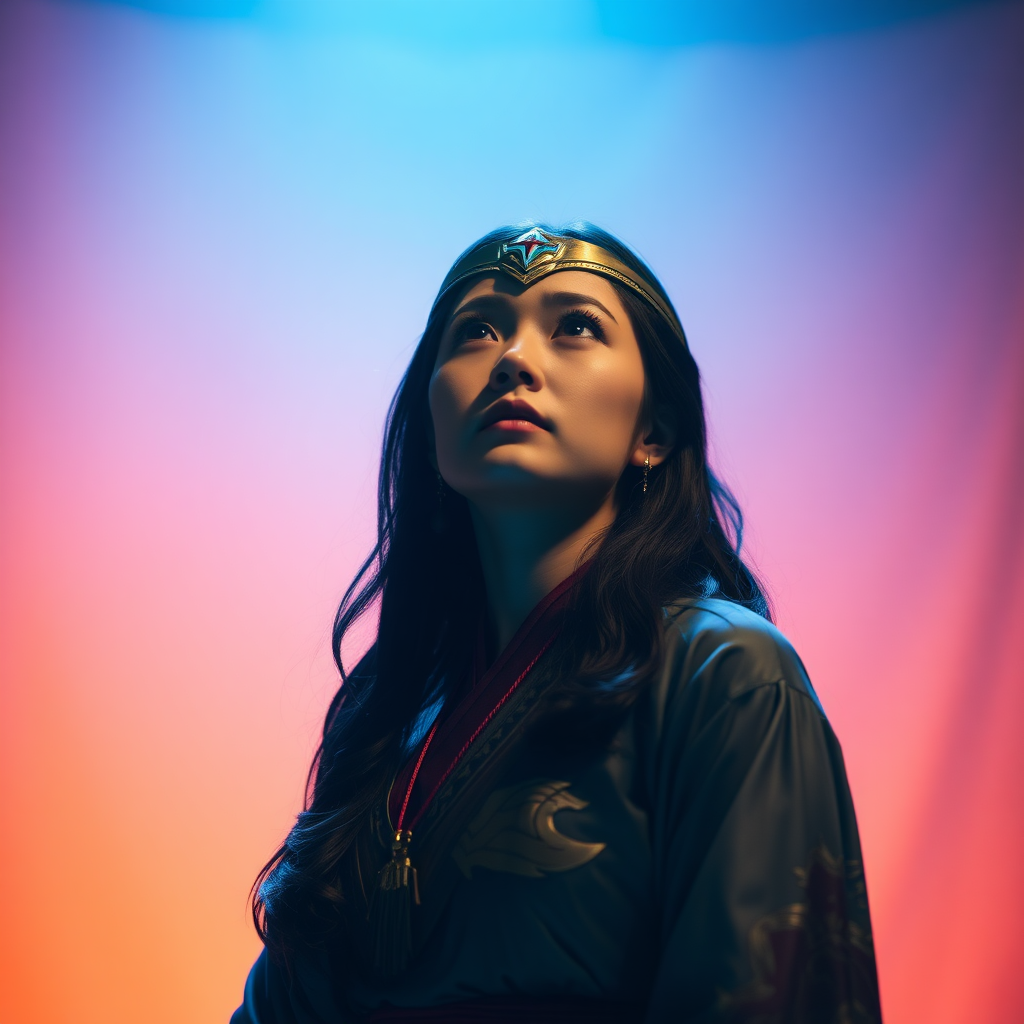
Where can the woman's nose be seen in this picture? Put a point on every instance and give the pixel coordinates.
(515, 367)
(502, 375)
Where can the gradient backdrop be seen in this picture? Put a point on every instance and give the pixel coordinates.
(221, 227)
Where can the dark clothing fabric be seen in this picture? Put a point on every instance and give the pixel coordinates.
(703, 866)
(515, 1010)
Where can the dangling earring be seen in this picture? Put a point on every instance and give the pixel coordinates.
(437, 523)
(647, 469)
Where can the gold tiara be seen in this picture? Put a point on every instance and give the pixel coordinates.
(535, 254)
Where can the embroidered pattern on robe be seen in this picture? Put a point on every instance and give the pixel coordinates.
(515, 831)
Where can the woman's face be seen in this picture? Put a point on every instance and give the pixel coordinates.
(537, 391)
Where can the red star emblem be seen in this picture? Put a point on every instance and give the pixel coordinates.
(529, 245)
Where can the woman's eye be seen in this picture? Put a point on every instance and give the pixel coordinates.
(473, 330)
(579, 325)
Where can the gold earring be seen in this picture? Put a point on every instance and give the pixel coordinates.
(647, 469)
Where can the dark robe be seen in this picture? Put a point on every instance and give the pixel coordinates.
(703, 866)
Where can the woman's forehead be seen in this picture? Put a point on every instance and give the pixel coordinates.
(580, 283)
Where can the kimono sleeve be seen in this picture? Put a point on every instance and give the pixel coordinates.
(271, 997)
(757, 858)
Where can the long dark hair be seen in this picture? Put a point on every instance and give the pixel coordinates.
(680, 539)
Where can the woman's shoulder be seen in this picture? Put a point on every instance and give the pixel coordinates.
(726, 650)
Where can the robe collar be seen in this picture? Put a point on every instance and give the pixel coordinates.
(477, 700)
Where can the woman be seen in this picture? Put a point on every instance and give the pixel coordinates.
(579, 776)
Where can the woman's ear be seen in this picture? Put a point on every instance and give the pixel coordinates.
(658, 440)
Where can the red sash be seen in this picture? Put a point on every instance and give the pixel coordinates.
(486, 692)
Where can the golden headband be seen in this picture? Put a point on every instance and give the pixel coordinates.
(535, 254)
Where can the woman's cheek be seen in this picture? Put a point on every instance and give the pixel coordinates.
(609, 406)
(447, 413)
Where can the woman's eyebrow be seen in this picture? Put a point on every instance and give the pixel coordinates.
(576, 299)
(498, 303)
(483, 304)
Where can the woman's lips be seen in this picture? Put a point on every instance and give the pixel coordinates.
(514, 426)
(514, 415)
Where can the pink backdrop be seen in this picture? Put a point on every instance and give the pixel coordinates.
(219, 237)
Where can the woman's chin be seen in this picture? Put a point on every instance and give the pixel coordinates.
(517, 486)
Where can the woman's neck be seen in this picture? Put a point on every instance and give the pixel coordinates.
(526, 552)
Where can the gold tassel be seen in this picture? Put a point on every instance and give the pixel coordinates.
(391, 909)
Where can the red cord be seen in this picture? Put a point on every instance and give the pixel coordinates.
(458, 757)
(415, 772)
